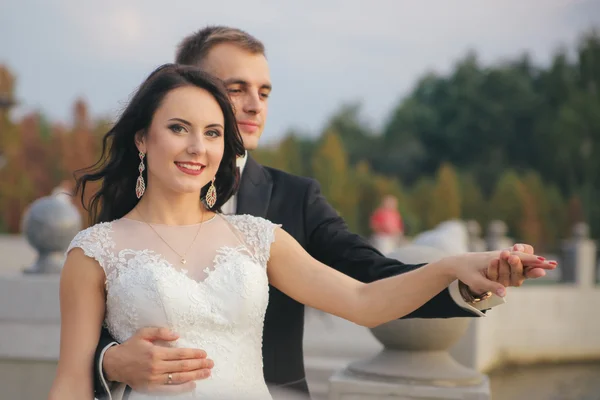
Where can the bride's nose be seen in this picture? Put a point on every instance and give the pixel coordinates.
(196, 146)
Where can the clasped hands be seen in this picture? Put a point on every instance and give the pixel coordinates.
(506, 268)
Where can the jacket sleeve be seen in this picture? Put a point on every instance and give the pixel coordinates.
(101, 385)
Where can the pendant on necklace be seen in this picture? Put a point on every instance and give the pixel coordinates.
(183, 261)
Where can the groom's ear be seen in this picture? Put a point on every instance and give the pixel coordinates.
(140, 141)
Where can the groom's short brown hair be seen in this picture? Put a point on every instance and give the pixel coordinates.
(193, 48)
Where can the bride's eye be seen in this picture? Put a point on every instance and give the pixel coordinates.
(213, 133)
(177, 128)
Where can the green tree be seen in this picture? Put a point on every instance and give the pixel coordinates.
(421, 201)
(446, 201)
(330, 168)
(367, 197)
(549, 210)
(288, 156)
(473, 204)
(514, 204)
(402, 152)
(265, 156)
(471, 117)
(358, 138)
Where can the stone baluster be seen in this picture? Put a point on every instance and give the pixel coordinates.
(475, 242)
(496, 236)
(579, 258)
(50, 224)
(415, 362)
(384, 243)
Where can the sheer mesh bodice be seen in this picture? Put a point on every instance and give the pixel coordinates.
(215, 302)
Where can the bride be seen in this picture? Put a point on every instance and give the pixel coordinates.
(160, 253)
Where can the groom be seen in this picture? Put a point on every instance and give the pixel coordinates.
(239, 60)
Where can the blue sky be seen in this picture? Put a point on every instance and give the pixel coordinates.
(321, 52)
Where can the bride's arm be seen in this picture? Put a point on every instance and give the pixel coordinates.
(293, 271)
(82, 306)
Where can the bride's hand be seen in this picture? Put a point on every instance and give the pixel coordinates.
(510, 271)
(471, 269)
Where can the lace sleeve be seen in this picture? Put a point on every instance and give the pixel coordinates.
(258, 234)
(96, 243)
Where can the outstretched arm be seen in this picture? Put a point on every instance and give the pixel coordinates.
(293, 271)
(330, 241)
(82, 306)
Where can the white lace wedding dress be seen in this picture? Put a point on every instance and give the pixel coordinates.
(216, 301)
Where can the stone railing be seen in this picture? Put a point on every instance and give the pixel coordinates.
(29, 335)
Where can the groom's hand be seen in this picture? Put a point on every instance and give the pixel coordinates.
(510, 271)
(145, 366)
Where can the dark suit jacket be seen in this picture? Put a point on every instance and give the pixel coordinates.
(298, 205)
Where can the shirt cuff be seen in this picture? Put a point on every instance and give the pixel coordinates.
(475, 308)
(101, 369)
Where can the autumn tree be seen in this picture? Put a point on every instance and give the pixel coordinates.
(446, 201)
(330, 168)
(514, 204)
(421, 200)
(473, 203)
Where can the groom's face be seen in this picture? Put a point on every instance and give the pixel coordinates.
(247, 78)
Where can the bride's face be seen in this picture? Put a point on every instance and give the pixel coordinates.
(184, 145)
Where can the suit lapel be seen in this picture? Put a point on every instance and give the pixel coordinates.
(254, 194)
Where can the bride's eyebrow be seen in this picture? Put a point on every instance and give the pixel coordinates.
(214, 126)
(183, 121)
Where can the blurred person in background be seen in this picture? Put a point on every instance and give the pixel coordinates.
(387, 226)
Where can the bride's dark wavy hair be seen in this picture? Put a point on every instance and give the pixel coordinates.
(117, 168)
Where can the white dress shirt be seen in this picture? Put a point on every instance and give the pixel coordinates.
(230, 206)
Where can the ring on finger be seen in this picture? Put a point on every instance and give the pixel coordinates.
(169, 379)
